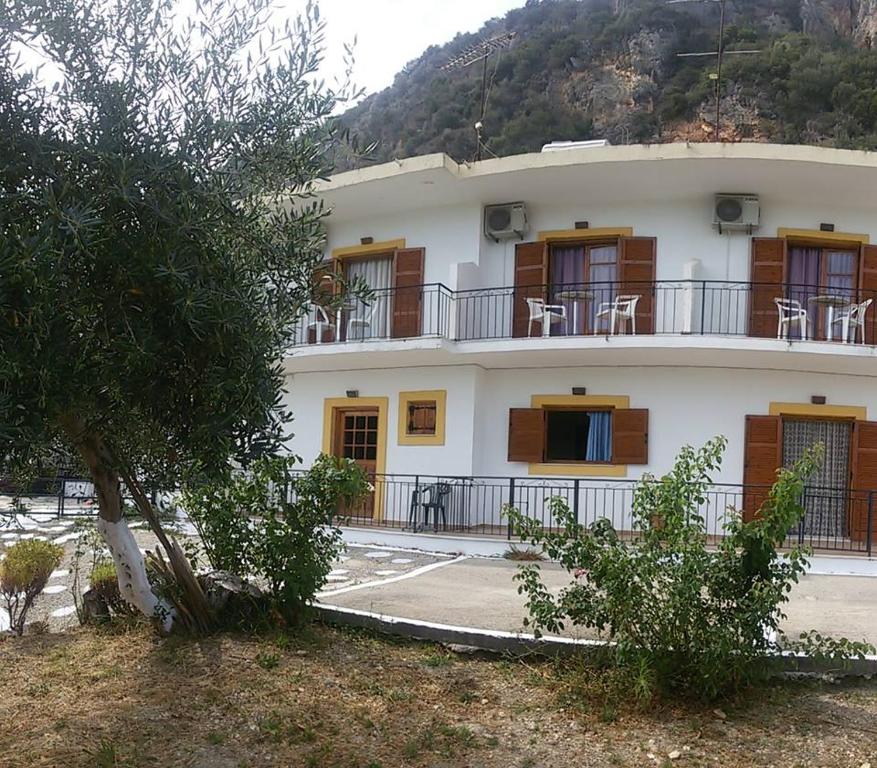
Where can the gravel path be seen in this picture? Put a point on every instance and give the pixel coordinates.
(358, 564)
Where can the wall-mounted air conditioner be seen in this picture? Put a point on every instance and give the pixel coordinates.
(505, 221)
(736, 212)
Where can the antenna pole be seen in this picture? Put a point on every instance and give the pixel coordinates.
(480, 123)
(720, 49)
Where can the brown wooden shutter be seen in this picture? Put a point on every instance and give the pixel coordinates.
(408, 293)
(636, 275)
(767, 277)
(531, 276)
(868, 290)
(526, 434)
(863, 480)
(762, 457)
(630, 436)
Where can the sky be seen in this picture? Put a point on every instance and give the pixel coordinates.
(390, 33)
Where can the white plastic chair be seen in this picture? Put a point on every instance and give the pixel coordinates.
(319, 322)
(539, 310)
(852, 317)
(789, 313)
(361, 323)
(622, 308)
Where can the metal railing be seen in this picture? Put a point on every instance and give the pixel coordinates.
(393, 313)
(680, 307)
(677, 307)
(836, 519)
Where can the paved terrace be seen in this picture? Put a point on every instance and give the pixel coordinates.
(481, 593)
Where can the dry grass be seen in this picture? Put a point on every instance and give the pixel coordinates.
(351, 700)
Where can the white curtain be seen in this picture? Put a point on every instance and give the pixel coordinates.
(378, 275)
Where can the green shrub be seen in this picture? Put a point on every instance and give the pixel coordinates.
(23, 575)
(684, 615)
(105, 583)
(273, 524)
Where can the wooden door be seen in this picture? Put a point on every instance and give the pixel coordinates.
(356, 438)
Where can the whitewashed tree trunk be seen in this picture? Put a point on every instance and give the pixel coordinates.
(134, 584)
(130, 566)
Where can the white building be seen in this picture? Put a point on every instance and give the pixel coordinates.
(443, 379)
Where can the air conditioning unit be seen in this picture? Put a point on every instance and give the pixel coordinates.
(505, 221)
(732, 212)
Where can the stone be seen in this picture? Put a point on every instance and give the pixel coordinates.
(231, 599)
(378, 555)
(94, 608)
(719, 714)
(675, 754)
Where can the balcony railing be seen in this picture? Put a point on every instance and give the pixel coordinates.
(393, 313)
(836, 519)
(669, 307)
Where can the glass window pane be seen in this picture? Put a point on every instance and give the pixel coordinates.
(372, 422)
(359, 452)
(371, 453)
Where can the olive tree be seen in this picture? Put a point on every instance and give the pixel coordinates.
(158, 233)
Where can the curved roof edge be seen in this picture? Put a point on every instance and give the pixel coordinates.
(798, 153)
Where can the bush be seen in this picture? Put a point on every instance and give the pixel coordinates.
(105, 584)
(23, 575)
(273, 524)
(685, 617)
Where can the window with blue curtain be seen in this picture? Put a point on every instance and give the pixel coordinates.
(579, 435)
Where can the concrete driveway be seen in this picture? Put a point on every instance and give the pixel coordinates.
(481, 593)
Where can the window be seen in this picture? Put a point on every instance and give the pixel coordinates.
(578, 435)
(421, 417)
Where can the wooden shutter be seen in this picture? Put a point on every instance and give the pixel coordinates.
(408, 293)
(636, 275)
(767, 276)
(526, 434)
(863, 480)
(531, 276)
(763, 456)
(868, 290)
(630, 436)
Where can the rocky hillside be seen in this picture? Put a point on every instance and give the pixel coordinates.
(610, 69)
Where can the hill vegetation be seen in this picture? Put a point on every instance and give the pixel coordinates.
(610, 69)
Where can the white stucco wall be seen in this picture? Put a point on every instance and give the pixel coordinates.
(306, 393)
(449, 235)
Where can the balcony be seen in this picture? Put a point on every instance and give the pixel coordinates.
(706, 314)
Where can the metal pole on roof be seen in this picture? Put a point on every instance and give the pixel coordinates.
(480, 51)
(719, 53)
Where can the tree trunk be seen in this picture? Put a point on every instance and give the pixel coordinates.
(134, 584)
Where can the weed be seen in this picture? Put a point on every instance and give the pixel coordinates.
(107, 756)
(523, 554)
(267, 660)
(272, 727)
(467, 697)
(216, 738)
(438, 659)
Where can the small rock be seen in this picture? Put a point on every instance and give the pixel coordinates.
(460, 648)
(719, 714)
(675, 754)
(865, 765)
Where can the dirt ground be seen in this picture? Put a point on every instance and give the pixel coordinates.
(332, 697)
